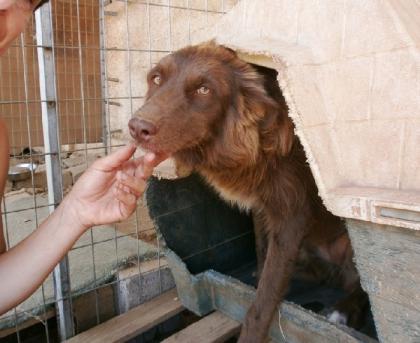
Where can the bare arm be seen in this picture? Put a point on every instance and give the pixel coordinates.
(24, 267)
(106, 193)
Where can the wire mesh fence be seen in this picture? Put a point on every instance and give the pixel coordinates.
(77, 74)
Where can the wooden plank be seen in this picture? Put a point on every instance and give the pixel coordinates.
(133, 322)
(214, 328)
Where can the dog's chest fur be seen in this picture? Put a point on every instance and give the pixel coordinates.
(235, 189)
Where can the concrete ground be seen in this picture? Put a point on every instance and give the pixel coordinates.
(94, 259)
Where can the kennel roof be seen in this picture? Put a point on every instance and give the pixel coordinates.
(350, 72)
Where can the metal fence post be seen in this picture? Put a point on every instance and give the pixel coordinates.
(106, 137)
(50, 124)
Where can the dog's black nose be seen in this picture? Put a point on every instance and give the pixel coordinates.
(141, 130)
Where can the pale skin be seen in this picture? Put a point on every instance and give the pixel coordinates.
(106, 193)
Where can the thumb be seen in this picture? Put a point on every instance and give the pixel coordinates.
(117, 158)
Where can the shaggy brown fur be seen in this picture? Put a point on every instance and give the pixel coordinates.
(228, 120)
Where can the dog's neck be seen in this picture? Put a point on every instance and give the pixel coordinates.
(235, 179)
(245, 183)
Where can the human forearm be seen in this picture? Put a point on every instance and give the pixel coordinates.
(106, 193)
(24, 267)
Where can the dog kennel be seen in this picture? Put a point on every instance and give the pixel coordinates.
(350, 73)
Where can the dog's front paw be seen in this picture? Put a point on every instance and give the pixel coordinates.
(337, 317)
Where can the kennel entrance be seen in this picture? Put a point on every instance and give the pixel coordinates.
(210, 248)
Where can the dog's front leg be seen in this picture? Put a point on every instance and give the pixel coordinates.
(260, 242)
(283, 247)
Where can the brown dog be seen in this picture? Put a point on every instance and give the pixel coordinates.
(226, 119)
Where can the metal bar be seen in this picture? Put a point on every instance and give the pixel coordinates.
(84, 126)
(14, 102)
(162, 4)
(104, 79)
(106, 108)
(130, 90)
(189, 21)
(61, 46)
(63, 80)
(50, 125)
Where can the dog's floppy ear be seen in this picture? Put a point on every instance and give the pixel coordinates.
(277, 130)
(275, 126)
(241, 136)
(238, 141)
(254, 122)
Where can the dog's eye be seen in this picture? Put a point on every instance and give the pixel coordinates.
(203, 90)
(157, 80)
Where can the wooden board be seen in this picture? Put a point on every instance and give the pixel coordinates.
(133, 322)
(214, 328)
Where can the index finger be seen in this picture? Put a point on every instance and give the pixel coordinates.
(116, 159)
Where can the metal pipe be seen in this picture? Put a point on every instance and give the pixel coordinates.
(50, 124)
(106, 137)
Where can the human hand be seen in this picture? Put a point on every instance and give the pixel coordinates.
(108, 191)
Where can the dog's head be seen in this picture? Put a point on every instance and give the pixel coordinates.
(205, 100)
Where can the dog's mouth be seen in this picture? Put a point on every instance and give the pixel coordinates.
(151, 146)
(157, 146)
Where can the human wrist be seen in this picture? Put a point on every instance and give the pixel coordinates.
(70, 213)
